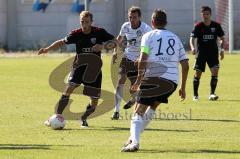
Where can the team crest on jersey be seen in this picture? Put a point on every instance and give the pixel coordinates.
(93, 40)
(213, 29)
(139, 33)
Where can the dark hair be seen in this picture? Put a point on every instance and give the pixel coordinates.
(159, 17)
(206, 8)
(135, 9)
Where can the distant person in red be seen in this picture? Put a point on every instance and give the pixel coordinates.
(89, 43)
(207, 33)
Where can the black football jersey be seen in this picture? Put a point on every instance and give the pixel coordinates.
(85, 42)
(207, 36)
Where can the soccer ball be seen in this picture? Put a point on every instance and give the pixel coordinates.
(57, 122)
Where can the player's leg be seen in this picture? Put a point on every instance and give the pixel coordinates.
(199, 67)
(135, 129)
(148, 115)
(196, 83)
(118, 95)
(214, 68)
(164, 94)
(130, 102)
(73, 82)
(93, 90)
(165, 89)
(132, 72)
(63, 101)
(91, 107)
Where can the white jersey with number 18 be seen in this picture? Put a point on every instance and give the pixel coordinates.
(165, 51)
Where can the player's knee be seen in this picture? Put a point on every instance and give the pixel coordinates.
(91, 108)
(140, 110)
(120, 86)
(64, 98)
(136, 118)
(154, 107)
(196, 79)
(198, 75)
(215, 73)
(69, 90)
(94, 101)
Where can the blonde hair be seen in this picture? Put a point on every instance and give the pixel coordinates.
(86, 14)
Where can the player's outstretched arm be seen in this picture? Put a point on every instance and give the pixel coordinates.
(185, 68)
(57, 44)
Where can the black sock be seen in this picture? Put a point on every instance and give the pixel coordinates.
(90, 109)
(196, 82)
(213, 84)
(62, 103)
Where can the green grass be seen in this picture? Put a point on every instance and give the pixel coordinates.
(26, 100)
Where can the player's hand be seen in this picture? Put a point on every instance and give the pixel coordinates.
(182, 94)
(136, 62)
(97, 47)
(221, 55)
(42, 51)
(135, 87)
(114, 58)
(194, 51)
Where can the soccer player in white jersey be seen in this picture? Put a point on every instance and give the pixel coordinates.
(161, 53)
(133, 31)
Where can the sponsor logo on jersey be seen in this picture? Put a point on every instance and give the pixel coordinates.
(93, 40)
(89, 49)
(213, 29)
(139, 33)
(208, 37)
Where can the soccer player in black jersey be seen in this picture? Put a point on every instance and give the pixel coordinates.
(89, 43)
(207, 34)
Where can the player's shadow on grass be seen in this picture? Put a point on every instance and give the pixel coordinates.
(127, 129)
(229, 100)
(210, 120)
(31, 146)
(202, 151)
(149, 129)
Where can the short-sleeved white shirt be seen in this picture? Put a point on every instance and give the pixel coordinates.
(165, 51)
(133, 36)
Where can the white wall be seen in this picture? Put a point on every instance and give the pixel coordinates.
(179, 14)
(35, 29)
(3, 22)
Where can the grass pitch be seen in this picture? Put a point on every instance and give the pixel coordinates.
(181, 130)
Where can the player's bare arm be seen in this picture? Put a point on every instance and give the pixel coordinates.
(141, 70)
(108, 45)
(119, 40)
(222, 43)
(192, 45)
(57, 44)
(185, 68)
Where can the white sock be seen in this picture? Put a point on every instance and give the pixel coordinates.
(147, 117)
(118, 97)
(136, 125)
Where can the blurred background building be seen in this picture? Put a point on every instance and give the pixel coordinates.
(24, 27)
